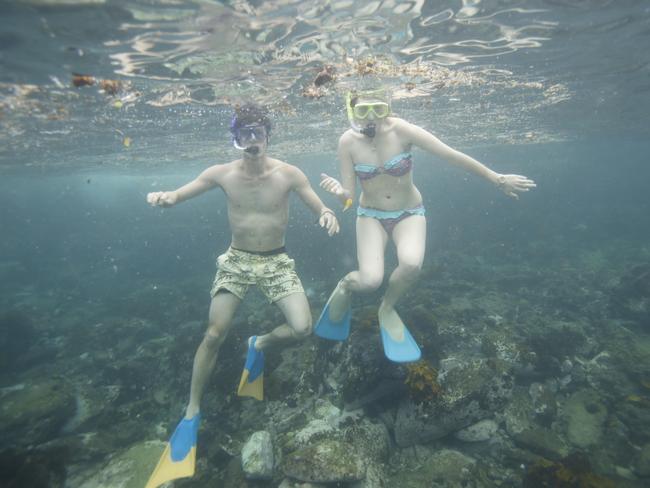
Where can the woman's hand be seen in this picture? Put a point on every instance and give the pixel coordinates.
(512, 184)
(331, 185)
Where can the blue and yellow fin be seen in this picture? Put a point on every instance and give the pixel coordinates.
(179, 457)
(334, 331)
(252, 378)
(403, 351)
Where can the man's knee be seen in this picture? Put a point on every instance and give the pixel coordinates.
(213, 339)
(303, 329)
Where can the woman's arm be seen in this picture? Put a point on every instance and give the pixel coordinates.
(326, 217)
(509, 184)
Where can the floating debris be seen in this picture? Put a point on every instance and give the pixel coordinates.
(80, 80)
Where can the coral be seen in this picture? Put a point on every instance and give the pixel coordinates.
(422, 380)
(572, 471)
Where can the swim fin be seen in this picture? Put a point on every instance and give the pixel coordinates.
(334, 331)
(404, 351)
(179, 457)
(252, 378)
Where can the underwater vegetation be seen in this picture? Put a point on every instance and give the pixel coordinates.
(422, 381)
(574, 471)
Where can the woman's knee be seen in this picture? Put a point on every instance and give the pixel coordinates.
(370, 281)
(410, 269)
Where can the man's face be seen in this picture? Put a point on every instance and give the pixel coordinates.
(252, 139)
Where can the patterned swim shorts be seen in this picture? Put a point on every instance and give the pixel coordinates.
(274, 274)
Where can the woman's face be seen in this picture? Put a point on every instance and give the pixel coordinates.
(370, 111)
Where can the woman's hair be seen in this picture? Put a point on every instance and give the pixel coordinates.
(250, 114)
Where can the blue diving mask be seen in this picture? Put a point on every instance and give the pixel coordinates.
(248, 137)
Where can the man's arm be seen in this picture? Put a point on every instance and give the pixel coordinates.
(204, 182)
(326, 217)
(509, 184)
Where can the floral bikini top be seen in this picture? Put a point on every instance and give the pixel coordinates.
(396, 166)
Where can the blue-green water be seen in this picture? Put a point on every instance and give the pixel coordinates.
(533, 314)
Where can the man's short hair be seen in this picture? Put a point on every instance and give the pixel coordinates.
(250, 114)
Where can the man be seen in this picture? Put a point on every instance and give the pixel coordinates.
(257, 188)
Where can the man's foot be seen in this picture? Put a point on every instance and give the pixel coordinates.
(339, 303)
(191, 411)
(252, 378)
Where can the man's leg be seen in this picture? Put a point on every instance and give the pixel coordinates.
(298, 316)
(371, 245)
(409, 237)
(222, 309)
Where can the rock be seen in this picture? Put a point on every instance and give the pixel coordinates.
(480, 431)
(375, 477)
(257, 456)
(284, 379)
(129, 469)
(327, 461)
(472, 390)
(517, 414)
(35, 413)
(544, 404)
(642, 464)
(543, 442)
(584, 414)
(371, 441)
(445, 468)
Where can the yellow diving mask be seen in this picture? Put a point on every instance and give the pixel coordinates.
(363, 109)
(363, 103)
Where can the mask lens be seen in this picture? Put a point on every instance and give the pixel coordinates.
(254, 133)
(379, 109)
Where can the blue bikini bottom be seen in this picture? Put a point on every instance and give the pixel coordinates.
(389, 218)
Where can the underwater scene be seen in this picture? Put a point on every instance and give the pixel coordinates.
(514, 353)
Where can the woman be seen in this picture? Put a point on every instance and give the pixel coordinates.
(376, 149)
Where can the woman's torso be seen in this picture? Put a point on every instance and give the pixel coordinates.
(384, 166)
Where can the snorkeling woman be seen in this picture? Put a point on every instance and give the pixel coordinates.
(377, 151)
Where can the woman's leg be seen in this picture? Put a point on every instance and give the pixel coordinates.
(371, 245)
(409, 237)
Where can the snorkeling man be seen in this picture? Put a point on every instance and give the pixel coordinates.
(257, 188)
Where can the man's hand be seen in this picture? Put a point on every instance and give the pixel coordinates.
(328, 221)
(511, 184)
(331, 185)
(162, 198)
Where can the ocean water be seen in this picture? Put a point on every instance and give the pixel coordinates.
(545, 299)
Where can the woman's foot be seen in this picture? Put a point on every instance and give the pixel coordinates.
(391, 322)
(339, 303)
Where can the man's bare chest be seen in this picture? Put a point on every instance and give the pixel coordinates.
(260, 194)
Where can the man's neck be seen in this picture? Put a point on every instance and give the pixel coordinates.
(254, 165)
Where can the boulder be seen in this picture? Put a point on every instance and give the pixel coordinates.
(472, 390)
(257, 456)
(327, 461)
